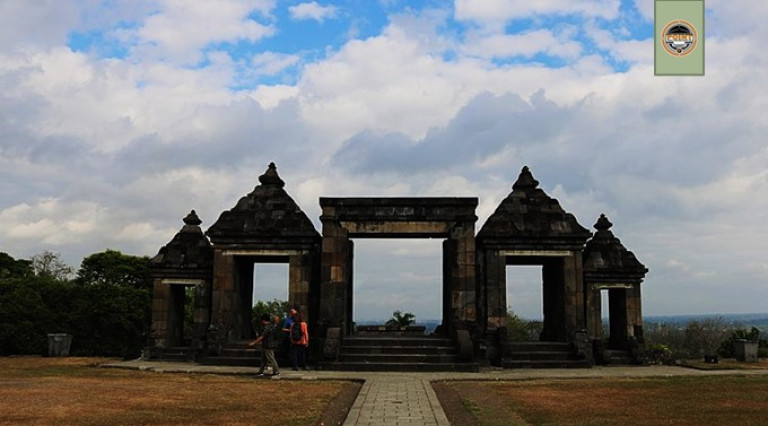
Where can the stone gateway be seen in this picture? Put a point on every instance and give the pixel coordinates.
(211, 275)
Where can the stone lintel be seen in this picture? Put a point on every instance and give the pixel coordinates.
(604, 286)
(413, 229)
(263, 252)
(347, 202)
(181, 281)
(537, 253)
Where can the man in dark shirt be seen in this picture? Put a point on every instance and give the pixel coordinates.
(268, 343)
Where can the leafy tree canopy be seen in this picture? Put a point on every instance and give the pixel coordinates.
(112, 267)
(400, 319)
(13, 268)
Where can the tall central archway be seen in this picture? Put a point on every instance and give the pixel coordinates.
(450, 218)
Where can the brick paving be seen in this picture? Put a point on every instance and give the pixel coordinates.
(408, 398)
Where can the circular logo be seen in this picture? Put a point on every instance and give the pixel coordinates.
(679, 38)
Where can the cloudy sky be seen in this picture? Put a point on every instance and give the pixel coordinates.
(118, 117)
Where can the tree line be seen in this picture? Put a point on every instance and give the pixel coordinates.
(105, 305)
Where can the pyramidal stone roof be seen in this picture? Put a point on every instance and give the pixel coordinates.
(267, 214)
(188, 255)
(607, 260)
(529, 219)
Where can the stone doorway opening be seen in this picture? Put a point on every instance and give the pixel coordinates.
(397, 275)
(525, 299)
(614, 314)
(451, 220)
(181, 324)
(259, 278)
(552, 301)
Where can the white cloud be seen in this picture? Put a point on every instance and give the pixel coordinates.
(526, 45)
(271, 63)
(271, 96)
(496, 11)
(312, 10)
(38, 24)
(181, 29)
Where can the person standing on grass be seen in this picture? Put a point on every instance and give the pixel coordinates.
(267, 340)
(299, 342)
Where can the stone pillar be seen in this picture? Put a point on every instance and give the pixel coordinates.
(224, 298)
(463, 283)
(160, 306)
(335, 272)
(634, 312)
(594, 311)
(496, 289)
(449, 258)
(573, 280)
(299, 277)
(554, 297)
(201, 315)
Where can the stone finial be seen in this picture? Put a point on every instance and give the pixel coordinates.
(270, 177)
(525, 180)
(603, 224)
(192, 219)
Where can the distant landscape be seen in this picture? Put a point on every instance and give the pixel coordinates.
(758, 320)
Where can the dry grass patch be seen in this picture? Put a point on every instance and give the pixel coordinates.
(70, 391)
(714, 400)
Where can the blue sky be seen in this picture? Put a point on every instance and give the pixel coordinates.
(118, 117)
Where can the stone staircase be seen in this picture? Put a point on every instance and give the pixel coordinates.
(617, 357)
(542, 355)
(402, 353)
(236, 354)
(177, 354)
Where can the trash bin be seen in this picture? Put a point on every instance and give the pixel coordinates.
(58, 344)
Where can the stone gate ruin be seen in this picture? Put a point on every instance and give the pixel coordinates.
(212, 273)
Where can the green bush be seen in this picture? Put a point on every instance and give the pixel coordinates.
(521, 330)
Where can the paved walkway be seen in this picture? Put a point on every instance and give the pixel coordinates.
(408, 398)
(396, 400)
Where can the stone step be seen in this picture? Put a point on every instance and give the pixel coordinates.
(539, 347)
(506, 363)
(396, 358)
(400, 367)
(430, 350)
(396, 341)
(539, 356)
(176, 354)
(617, 357)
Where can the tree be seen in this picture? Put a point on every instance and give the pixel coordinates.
(275, 307)
(49, 265)
(400, 319)
(12, 268)
(112, 267)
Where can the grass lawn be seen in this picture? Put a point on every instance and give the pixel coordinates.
(72, 391)
(712, 400)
